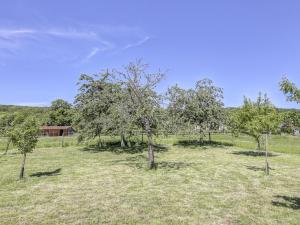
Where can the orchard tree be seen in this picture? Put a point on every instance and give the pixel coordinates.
(290, 89)
(257, 119)
(7, 124)
(25, 138)
(204, 107)
(93, 104)
(60, 113)
(144, 101)
(174, 119)
(212, 98)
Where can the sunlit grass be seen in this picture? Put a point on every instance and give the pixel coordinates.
(277, 143)
(192, 185)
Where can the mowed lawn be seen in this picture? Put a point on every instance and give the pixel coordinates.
(191, 185)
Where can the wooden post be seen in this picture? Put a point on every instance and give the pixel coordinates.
(62, 140)
(266, 155)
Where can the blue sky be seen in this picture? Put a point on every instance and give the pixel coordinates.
(243, 46)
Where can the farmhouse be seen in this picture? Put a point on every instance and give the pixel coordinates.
(57, 131)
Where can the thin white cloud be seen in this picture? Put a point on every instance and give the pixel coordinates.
(138, 43)
(92, 53)
(93, 40)
(15, 33)
(72, 33)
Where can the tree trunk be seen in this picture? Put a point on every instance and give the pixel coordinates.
(62, 140)
(123, 140)
(99, 141)
(266, 156)
(151, 163)
(209, 137)
(22, 167)
(7, 146)
(258, 144)
(200, 137)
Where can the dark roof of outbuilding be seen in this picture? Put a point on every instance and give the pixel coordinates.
(55, 127)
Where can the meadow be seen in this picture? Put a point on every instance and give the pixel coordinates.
(192, 184)
(277, 143)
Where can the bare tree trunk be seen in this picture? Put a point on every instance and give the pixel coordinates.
(99, 141)
(22, 170)
(7, 146)
(209, 137)
(258, 144)
(200, 137)
(151, 163)
(62, 140)
(122, 140)
(266, 155)
(142, 137)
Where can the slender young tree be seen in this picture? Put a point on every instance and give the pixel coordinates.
(257, 119)
(7, 124)
(25, 138)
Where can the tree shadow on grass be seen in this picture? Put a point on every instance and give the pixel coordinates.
(205, 144)
(116, 148)
(254, 153)
(47, 173)
(141, 162)
(256, 168)
(173, 165)
(287, 202)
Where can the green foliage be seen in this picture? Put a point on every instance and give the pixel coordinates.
(40, 113)
(201, 107)
(60, 113)
(174, 116)
(9, 121)
(93, 104)
(256, 118)
(290, 89)
(290, 121)
(25, 135)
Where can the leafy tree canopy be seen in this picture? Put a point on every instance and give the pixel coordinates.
(290, 89)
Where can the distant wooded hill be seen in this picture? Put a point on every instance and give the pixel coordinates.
(16, 108)
(279, 109)
(41, 111)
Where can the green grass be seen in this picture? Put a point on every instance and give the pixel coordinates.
(282, 144)
(277, 143)
(192, 185)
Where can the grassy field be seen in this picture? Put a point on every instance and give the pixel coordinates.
(282, 144)
(191, 185)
